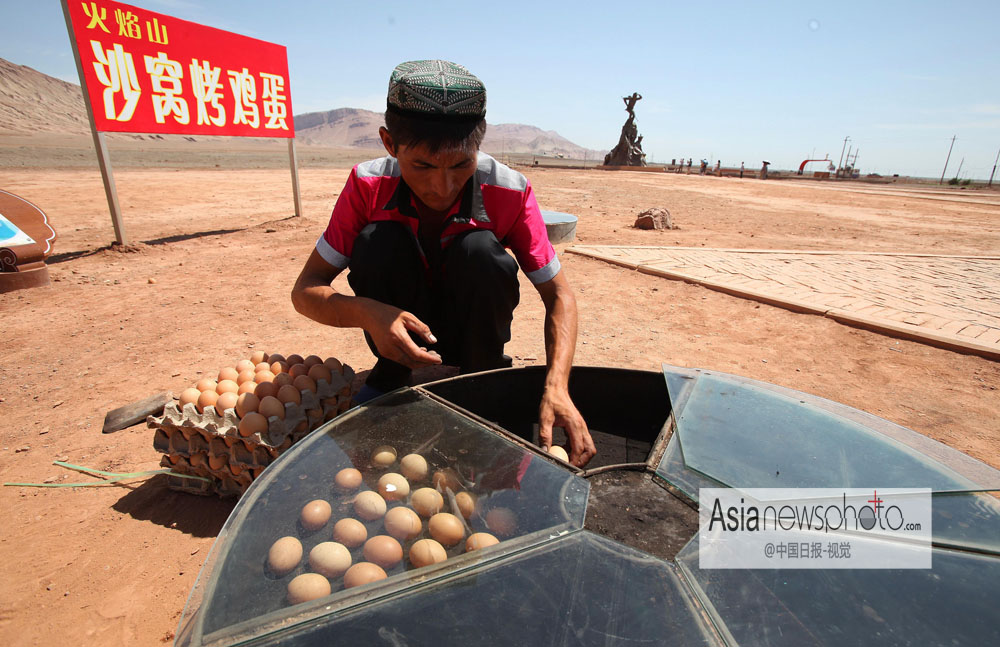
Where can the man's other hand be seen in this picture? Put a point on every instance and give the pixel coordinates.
(390, 329)
(558, 410)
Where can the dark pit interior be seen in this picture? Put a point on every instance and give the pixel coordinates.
(632, 508)
(624, 409)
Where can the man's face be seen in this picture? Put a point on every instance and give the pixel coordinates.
(436, 179)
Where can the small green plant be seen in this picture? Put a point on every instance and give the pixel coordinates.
(953, 181)
(966, 182)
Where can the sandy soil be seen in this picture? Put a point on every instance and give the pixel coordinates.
(210, 279)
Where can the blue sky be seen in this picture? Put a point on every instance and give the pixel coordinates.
(738, 81)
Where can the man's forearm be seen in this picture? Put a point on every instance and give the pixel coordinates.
(560, 338)
(327, 306)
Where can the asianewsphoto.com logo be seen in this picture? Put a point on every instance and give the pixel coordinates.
(817, 516)
(815, 528)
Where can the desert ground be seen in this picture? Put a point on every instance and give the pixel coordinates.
(206, 280)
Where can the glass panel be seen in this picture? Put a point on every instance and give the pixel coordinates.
(952, 604)
(582, 590)
(520, 498)
(967, 520)
(744, 435)
(673, 470)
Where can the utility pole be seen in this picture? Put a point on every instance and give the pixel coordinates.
(994, 169)
(849, 155)
(941, 181)
(842, 155)
(855, 164)
(959, 168)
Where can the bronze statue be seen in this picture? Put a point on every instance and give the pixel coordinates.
(628, 151)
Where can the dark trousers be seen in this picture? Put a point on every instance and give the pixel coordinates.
(467, 297)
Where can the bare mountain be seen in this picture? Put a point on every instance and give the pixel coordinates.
(32, 102)
(354, 128)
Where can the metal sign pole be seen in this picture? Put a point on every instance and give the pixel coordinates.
(103, 159)
(293, 162)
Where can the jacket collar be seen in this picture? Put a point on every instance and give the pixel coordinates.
(470, 205)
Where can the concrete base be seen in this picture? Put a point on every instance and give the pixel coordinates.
(10, 281)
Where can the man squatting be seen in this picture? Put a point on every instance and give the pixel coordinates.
(423, 232)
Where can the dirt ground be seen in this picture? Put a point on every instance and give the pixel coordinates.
(209, 279)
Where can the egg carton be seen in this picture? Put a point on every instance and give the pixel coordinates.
(330, 400)
(223, 482)
(210, 446)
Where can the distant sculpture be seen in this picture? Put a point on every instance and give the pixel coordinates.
(628, 151)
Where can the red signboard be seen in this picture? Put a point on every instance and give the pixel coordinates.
(149, 73)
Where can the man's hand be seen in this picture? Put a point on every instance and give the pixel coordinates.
(390, 329)
(558, 410)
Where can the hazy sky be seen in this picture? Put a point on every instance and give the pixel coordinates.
(735, 81)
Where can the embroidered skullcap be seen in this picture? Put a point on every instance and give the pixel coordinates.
(436, 90)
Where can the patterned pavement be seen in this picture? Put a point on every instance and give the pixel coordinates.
(947, 301)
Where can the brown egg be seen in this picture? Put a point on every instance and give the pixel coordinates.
(245, 376)
(315, 514)
(206, 384)
(189, 395)
(447, 478)
(466, 504)
(426, 552)
(198, 460)
(334, 365)
(402, 523)
(263, 376)
(383, 456)
(265, 389)
(330, 559)
(253, 423)
(279, 367)
(559, 452)
(501, 521)
(246, 403)
(258, 356)
(302, 427)
(245, 365)
(275, 357)
(304, 383)
(479, 540)
(427, 501)
(312, 360)
(228, 373)
(282, 379)
(315, 417)
(308, 586)
(393, 487)
(247, 387)
(271, 406)
(348, 479)
(225, 401)
(446, 528)
(284, 555)
(363, 573)
(383, 550)
(413, 467)
(295, 370)
(206, 400)
(294, 358)
(369, 505)
(236, 470)
(217, 462)
(262, 366)
(350, 532)
(289, 393)
(320, 372)
(227, 386)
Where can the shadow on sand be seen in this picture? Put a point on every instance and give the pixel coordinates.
(199, 516)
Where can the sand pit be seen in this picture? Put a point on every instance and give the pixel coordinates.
(114, 564)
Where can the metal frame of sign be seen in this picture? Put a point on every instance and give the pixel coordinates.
(104, 159)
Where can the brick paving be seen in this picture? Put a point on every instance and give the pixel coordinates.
(948, 301)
